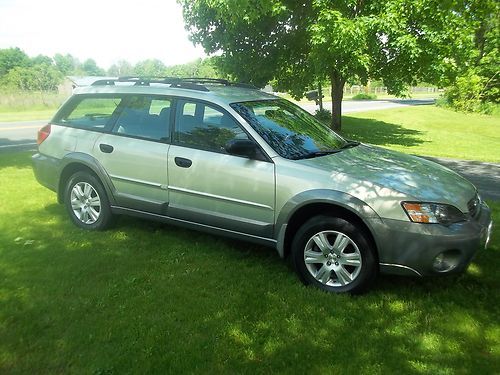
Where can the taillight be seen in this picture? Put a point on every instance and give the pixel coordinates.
(43, 133)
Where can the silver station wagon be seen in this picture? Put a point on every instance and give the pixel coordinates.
(232, 160)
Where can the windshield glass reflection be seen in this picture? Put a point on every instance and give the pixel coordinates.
(292, 132)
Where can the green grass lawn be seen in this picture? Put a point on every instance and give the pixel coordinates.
(27, 115)
(149, 298)
(428, 130)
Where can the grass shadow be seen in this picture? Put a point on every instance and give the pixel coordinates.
(145, 297)
(17, 159)
(379, 132)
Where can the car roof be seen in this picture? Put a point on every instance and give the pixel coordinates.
(219, 94)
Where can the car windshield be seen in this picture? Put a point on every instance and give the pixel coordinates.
(292, 132)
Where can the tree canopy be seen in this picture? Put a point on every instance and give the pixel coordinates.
(11, 58)
(43, 73)
(478, 83)
(298, 43)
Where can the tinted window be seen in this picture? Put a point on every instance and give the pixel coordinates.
(144, 116)
(203, 126)
(89, 112)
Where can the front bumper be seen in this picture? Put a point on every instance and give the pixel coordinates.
(408, 248)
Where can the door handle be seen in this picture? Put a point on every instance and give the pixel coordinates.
(108, 149)
(182, 162)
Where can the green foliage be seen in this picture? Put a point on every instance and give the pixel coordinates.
(478, 87)
(41, 60)
(364, 96)
(89, 67)
(121, 68)
(156, 68)
(150, 68)
(66, 64)
(299, 43)
(466, 93)
(198, 68)
(41, 77)
(323, 115)
(11, 58)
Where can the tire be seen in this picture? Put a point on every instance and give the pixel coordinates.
(86, 202)
(333, 255)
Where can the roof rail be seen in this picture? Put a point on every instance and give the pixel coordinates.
(189, 83)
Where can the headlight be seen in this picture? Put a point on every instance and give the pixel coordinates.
(432, 213)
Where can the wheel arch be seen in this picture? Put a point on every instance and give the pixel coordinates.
(302, 207)
(76, 162)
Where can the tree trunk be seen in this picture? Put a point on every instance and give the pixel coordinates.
(337, 94)
(320, 96)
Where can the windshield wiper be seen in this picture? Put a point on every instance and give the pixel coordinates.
(313, 154)
(350, 144)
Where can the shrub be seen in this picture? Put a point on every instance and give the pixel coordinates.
(364, 96)
(469, 94)
(323, 115)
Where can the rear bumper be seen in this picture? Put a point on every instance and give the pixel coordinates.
(46, 170)
(407, 248)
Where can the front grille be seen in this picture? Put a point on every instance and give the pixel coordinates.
(474, 205)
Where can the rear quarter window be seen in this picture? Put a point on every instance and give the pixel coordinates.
(89, 112)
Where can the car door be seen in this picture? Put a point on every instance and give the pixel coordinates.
(211, 187)
(134, 153)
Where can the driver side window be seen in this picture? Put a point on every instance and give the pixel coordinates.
(200, 125)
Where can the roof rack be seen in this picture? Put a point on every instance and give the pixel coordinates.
(185, 83)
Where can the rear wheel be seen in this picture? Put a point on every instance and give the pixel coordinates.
(334, 255)
(86, 202)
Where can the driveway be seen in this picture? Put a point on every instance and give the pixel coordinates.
(19, 135)
(351, 106)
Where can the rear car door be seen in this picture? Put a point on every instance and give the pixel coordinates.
(211, 187)
(134, 152)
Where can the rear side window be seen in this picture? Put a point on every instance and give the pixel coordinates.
(89, 112)
(145, 117)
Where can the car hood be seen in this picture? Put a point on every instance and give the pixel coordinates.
(416, 178)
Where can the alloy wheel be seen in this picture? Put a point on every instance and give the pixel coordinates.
(85, 202)
(332, 258)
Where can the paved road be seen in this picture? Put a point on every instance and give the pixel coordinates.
(19, 135)
(485, 176)
(351, 106)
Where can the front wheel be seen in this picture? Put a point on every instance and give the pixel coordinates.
(86, 202)
(332, 254)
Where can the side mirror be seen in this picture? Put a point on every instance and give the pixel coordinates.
(241, 147)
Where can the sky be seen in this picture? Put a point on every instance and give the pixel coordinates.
(104, 30)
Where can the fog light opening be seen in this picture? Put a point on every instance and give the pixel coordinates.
(446, 261)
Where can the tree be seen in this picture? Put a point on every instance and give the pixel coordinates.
(11, 58)
(479, 71)
(301, 42)
(150, 68)
(41, 77)
(66, 64)
(198, 68)
(121, 68)
(90, 68)
(41, 60)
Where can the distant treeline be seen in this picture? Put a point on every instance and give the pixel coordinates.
(44, 73)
